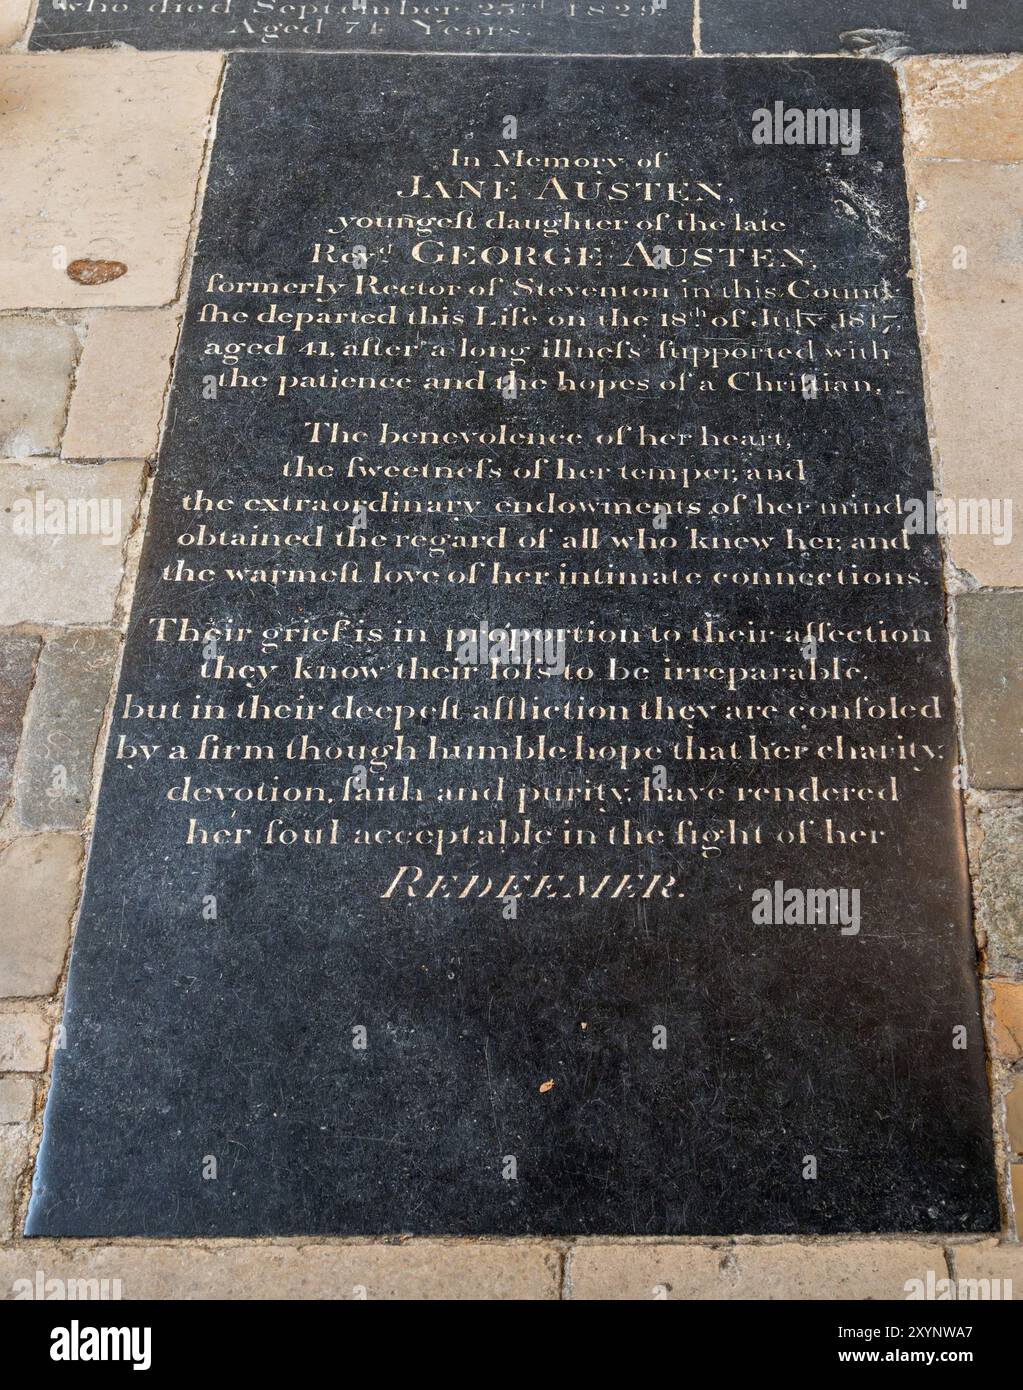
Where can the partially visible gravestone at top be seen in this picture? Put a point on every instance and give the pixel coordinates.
(870, 28)
(531, 802)
(873, 28)
(415, 26)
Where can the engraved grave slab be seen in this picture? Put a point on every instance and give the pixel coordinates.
(530, 801)
(416, 26)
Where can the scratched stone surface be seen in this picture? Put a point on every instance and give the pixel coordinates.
(878, 28)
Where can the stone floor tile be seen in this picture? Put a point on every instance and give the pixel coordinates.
(13, 20)
(1007, 1019)
(996, 835)
(854, 1269)
(989, 653)
(53, 778)
(1014, 1117)
(989, 1260)
(120, 384)
(414, 1270)
(964, 108)
(967, 219)
(39, 877)
(17, 665)
(14, 1142)
(63, 532)
(17, 1099)
(37, 357)
(102, 158)
(24, 1038)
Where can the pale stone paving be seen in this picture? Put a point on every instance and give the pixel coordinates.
(53, 778)
(14, 18)
(17, 664)
(17, 1099)
(37, 357)
(50, 571)
(1007, 1016)
(853, 1269)
(964, 108)
(990, 654)
(998, 883)
(120, 384)
(966, 220)
(39, 880)
(24, 1038)
(76, 203)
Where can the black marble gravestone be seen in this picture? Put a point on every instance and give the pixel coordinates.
(876, 27)
(415, 26)
(530, 802)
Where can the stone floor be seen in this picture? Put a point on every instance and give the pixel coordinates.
(93, 266)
